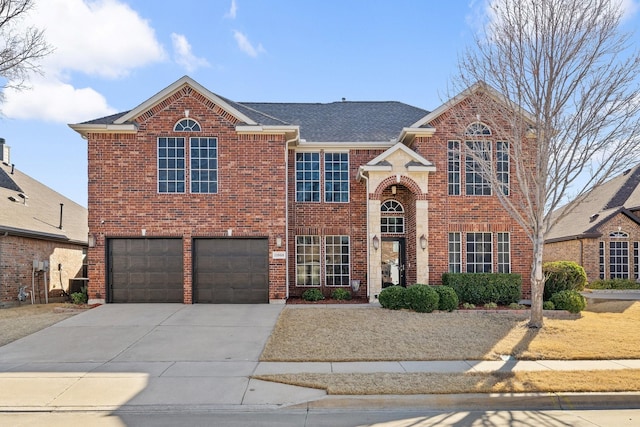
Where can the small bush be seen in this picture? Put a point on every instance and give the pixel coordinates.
(312, 295)
(341, 294)
(448, 298)
(80, 297)
(481, 288)
(468, 306)
(569, 300)
(516, 306)
(548, 305)
(614, 284)
(491, 305)
(422, 298)
(393, 298)
(563, 276)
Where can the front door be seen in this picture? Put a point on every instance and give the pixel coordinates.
(392, 261)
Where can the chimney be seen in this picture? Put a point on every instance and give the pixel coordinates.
(4, 151)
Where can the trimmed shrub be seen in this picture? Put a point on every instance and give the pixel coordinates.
(491, 305)
(614, 284)
(481, 288)
(393, 298)
(569, 300)
(548, 305)
(312, 295)
(448, 298)
(422, 298)
(563, 276)
(341, 294)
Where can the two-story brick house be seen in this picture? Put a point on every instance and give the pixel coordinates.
(195, 198)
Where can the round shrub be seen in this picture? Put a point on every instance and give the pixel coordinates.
(448, 299)
(563, 276)
(571, 301)
(312, 295)
(422, 298)
(548, 305)
(341, 294)
(393, 298)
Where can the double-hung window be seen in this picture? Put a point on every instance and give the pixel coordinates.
(502, 166)
(336, 177)
(479, 253)
(307, 177)
(171, 165)
(337, 263)
(453, 167)
(307, 260)
(477, 163)
(455, 253)
(204, 165)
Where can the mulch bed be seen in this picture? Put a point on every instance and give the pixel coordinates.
(298, 300)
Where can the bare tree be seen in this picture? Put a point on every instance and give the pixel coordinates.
(566, 88)
(21, 47)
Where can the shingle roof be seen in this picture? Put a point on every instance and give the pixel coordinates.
(617, 195)
(38, 215)
(333, 122)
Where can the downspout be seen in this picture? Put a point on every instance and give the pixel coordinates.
(366, 178)
(286, 212)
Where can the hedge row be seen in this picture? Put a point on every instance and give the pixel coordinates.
(483, 288)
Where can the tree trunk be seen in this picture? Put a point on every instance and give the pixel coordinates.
(537, 283)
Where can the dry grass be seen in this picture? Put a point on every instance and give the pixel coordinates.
(607, 331)
(474, 382)
(18, 322)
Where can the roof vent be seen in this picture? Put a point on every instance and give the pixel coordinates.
(626, 172)
(24, 197)
(13, 199)
(593, 217)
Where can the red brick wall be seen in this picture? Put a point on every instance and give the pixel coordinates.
(16, 263)
(123, 197)
(467, 213)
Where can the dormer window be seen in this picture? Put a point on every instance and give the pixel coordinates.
(187, 125)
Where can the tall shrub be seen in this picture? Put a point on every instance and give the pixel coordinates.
(563, 276)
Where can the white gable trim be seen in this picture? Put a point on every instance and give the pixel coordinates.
(176, 86)
(400, 146)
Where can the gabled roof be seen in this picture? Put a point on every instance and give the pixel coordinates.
(316, 122)
(38, 215)
(477, 87)
(620, 195)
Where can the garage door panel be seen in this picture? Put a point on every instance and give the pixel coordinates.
(146, 270)
(231, 270)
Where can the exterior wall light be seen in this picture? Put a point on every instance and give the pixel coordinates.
(92, 240)
(423, 242)
(376, 242)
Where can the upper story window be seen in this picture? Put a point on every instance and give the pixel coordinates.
(307, 177)
(478, 129)
(336, 177)
(187, 125)
(502, 166)
(477, 159)
(204, 165)
(618, 235)
(171, 165)
(392, 217)
(453, 168)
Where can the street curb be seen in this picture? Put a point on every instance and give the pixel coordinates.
(476, 401)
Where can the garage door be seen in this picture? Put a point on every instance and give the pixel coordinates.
(231, 271)
(145, 270)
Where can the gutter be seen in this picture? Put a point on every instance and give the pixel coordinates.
(41, 236)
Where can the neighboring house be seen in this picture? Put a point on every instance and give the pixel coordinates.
(198, 199)
(601, 233)
(37, 224)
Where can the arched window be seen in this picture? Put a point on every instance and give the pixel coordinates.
(187, 125)
(618, 235)
(392, 217)
(478, 129)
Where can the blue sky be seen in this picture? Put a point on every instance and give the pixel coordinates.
(111, 55)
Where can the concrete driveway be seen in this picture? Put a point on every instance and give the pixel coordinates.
(118, 356)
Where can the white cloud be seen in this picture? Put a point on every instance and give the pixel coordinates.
(245, 45)
(55, 101)
(183, 55)
(233, 10)
(101, 38)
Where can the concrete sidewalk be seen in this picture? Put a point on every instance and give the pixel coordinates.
(161, 357)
